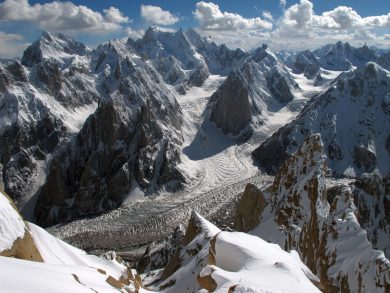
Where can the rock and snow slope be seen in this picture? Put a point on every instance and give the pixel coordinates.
(184, 58)
(198, 263)
(132, 139)
(222, 261)
(41, 106)
(298, 212)
(48, 264)
(353, 119)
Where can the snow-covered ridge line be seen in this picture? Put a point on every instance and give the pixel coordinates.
(51, 265)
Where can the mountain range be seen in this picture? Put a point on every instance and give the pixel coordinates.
(114, 147)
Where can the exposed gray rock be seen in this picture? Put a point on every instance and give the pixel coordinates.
(158, 255)
(306, 63)
(279, 86)
(272, 153)
(232, 111)
(364, 159)
(371, 198)
(199, 76)
(249, 92)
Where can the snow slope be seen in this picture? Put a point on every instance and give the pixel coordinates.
(26, 276)
(218, 261)
(55, 251)
(12, 226)
(250, 264)
(55, 266)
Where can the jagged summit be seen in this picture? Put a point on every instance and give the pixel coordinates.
(342, 56)
(53, 46)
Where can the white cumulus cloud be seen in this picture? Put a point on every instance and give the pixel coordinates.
(114, 15)
(62, 16)
(210, 17)
(267, 15)
(157, 15)
(300, 22)
(134, 34)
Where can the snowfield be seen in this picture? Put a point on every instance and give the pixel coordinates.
(12, 226)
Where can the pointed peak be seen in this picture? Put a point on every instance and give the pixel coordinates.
(52, 46)
(153, 29)
(46, 35)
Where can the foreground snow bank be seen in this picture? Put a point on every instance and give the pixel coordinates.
(32, 260)
(249, 264)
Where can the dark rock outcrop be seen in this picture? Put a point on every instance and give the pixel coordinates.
(232, 110)
(250, 207)
(306, 63)
(249, 92)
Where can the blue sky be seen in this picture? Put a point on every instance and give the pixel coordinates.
(284, 24)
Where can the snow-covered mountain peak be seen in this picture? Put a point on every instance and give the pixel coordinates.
(262, 53)
(55, 47)
(342, 56)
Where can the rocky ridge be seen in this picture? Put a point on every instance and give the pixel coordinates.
(324, 225)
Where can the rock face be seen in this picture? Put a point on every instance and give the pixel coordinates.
(352, 145)
(131, 140)
(251, 205)
(322, 225)
(191, 256)
(158, 256)
(384, 61)
(232, 110)
(371, 197)
(306, 63)
(260, 85)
